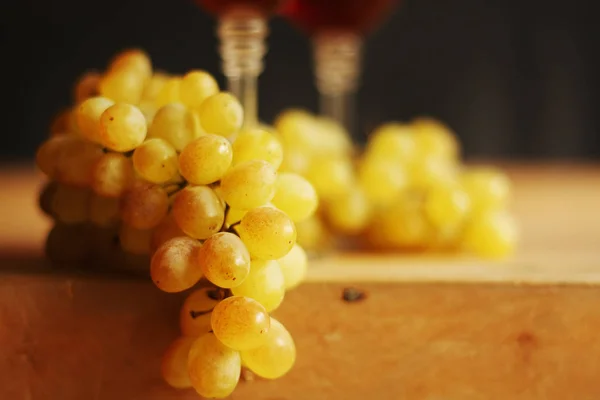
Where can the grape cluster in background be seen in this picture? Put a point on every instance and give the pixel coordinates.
(151, 170)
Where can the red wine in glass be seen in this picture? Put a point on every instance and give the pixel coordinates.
(219, 7)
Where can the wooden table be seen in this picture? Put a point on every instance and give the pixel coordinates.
(431, 328)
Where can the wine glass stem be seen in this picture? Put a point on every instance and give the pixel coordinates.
(338, 106)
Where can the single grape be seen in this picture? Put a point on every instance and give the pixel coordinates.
(122, 127)
(174, 365)
(349, 214)
(221, 114)
(198, 211)
(197, 86)
(240, 323)
(122, 85)
(135, 60)
(224, 260)
(491, 234)
(382, 180)
(267, 232)
(275, 357)
(165, 230)
(331, 176)
(175, 124)
(488, 188)
(294, 266)
(214, 369)
(88, 116)
(76, 162)
(295, 196)
(205, 160)
(299, 130)
(86, 86)
(393, 142)
(156, 161)
(265, 284)
(249, 184)
(446, 205)
(47, 155)
(173, 267)
(135, 241)
(70, 205)
(434, 139)
(112, 175)
(194, 318)
(104, 211)
(257, 144)
(144, 205)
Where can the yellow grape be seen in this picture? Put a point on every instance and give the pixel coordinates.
(173, 267)
(295, 196)
(196, 86)
(198, 211)
(294, 266)
(123, 86)
(382, 180)
(111, 175)
(249, 184)
(76, 162)
(295, 161)
(431, 171)
(267, 232)
(224, 260)
(169, 92)
(349, 214)
(221, 114)
(135, 60)
(174, 364)
(392, 142)
(205, 160)
(214, 368)
(122, 127)
(240, 323)
(491, 234)
(149, 110)
(104, 211)
(165, 230)
(70, 205)
(298, 129)
(175, 124)
(446, 205)
(86, 86)
(275, 357)
(144, 205)
(234, 215)
(135, 241)
(88, 115)
(257, 144)
(312, 233)
(488, 188)
(434, 139)
(265, 284)
(154, 86)
(155, 160)
(334, 140)
(69, 244)
(194, 318)
(331, 176)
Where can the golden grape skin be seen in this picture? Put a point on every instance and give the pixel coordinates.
(224, 260)
(382, 180)
(122, 127)
(295, 196)
(275, 357)
(86, 86)
(294, 267)
(221, 114)
(47, 155)
(434, 139)
(76, 162)
(104, 211)
(257, 144)
(205, 159)
(392, 141)
(249, 184)
(446, 205)
(488, 187)
(198, 211)
(144, 205)
(135, 241)
(153, 87)
(197, 86)
(298, 129)
(156, 160)
(331, 176)
(176, 124)
(169, 92)
(491, 234)
(430, 171)
(195, 314)
(214, 369)
(112, 175)
(87, 116)
(173, 267)
(174, 363)
(240, 323)
(265, 284)
(70, 205)
(136, 60)
(165, 230)
(349, 214)
(267, 232)
(334, 140)
(122, 85)
(312, 234)
(295, 161)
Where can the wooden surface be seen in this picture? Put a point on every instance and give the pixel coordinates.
(430, 328)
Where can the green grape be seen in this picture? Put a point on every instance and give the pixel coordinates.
(122, 85)
(198, 211)
(196, 86)
(214, 369)
(174, 365)
(491, 234)
(393, 142)
(331, 176)
(156, 161)
(68, 244)
(194, 318)
(122, 127)
(224, 260)
(275, 357)
(294, 266)
(487, 187)
(349, 214)
(135, 241)
(176, 124)
(173, 267)
(170, 92)
(144, 205)
(221, 114)
(205, 160)
(70, 205)
(112, 175)
(382, 180)
(434, 139)
(87, 116)
(240, 323)
(165, 230)
(249, 184)
(257, 144)
(104, 211)
(267, 232)
(295, 196)
(135, 60)
(446, 205)
(264, 283)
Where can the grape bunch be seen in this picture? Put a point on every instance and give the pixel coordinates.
(157, 169)
(406, 191)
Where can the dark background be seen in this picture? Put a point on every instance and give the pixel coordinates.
(515, 79)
